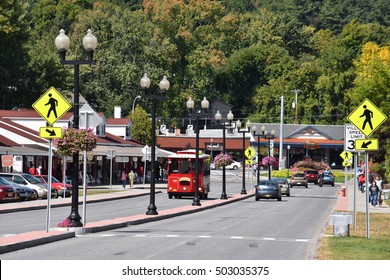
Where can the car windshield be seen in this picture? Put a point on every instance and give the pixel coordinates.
(4, 182)
(45, 178)
(32, 180)
(282, 181)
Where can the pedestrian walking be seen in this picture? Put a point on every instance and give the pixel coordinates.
(379, 183)
(123, 179)
(131, 178)
(32, 170)
(374, 191)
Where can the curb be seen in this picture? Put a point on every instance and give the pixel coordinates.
(35, 238)
(62, 204)
(31, 239)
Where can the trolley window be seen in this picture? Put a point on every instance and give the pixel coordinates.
(185, 166)
(174, 166)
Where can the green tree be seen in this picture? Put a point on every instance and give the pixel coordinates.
(141, 129)
(14, 37)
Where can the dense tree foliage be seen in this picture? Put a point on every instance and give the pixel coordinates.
(247, 53)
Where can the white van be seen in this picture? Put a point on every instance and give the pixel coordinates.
(32, 182)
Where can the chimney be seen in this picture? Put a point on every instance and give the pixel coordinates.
(117, 112)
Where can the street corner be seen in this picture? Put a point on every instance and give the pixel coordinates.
(30, 239)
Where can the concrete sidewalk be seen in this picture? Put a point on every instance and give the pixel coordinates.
(35, 238)
(356, 200)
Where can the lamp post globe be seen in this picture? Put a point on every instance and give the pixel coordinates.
(145, 82)
(164, 84)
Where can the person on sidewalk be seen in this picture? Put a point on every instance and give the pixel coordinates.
(374, 191)
(131, 178)
(379, 183)
(124, 179)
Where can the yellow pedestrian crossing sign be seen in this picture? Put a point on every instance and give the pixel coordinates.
(250, 152)
(50, 132)
(52, 105)
(345, 155)
(367, 117)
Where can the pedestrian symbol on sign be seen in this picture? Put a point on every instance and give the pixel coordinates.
(368, 114)
(367, 117)
(51, 106)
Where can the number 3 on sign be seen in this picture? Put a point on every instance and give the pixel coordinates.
(351, 145)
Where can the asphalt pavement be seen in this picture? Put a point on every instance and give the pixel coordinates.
(349, 202)
(36, 238)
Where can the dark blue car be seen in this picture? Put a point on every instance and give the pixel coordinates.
(326, 179)
(269, 189)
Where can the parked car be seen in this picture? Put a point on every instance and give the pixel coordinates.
(7, 193)
(269, 189)
(25, 179)
(23, 192)
(61, 188)
(326, 179)
(298, 179)
(284, 186)
(234, 165)
(312, 176)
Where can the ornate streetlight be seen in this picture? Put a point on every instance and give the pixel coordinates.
(254, 129)
(164, 86)
(218, 117)
(269, 136)
(190, 106)
(243, 131)
(62, 43)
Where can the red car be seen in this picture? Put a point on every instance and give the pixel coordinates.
(60, 187)
(7, 193)
(312, 176)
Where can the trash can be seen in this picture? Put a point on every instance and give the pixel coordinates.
(386, 194)
(340, 222)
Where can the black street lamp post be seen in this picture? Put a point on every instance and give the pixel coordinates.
(269, 137)
(190, 107)
(288, 160)
(265, 135)
(254, 129)
(164, 86)
(62, 43)
(218, 117)
(243, 131)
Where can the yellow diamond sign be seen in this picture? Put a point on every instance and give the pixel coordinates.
(345, 155)
(250, 152)
(52, 105)
(367, 117)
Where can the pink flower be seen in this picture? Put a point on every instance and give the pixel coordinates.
(269, 161)
(75, 140)
(65, 223)
(223, 160)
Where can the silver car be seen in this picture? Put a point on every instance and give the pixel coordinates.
(28, 180)
(284, 186)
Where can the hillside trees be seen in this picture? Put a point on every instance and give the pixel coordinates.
(14, 38)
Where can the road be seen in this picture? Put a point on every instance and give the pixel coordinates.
(32, 220)
(245, 230)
